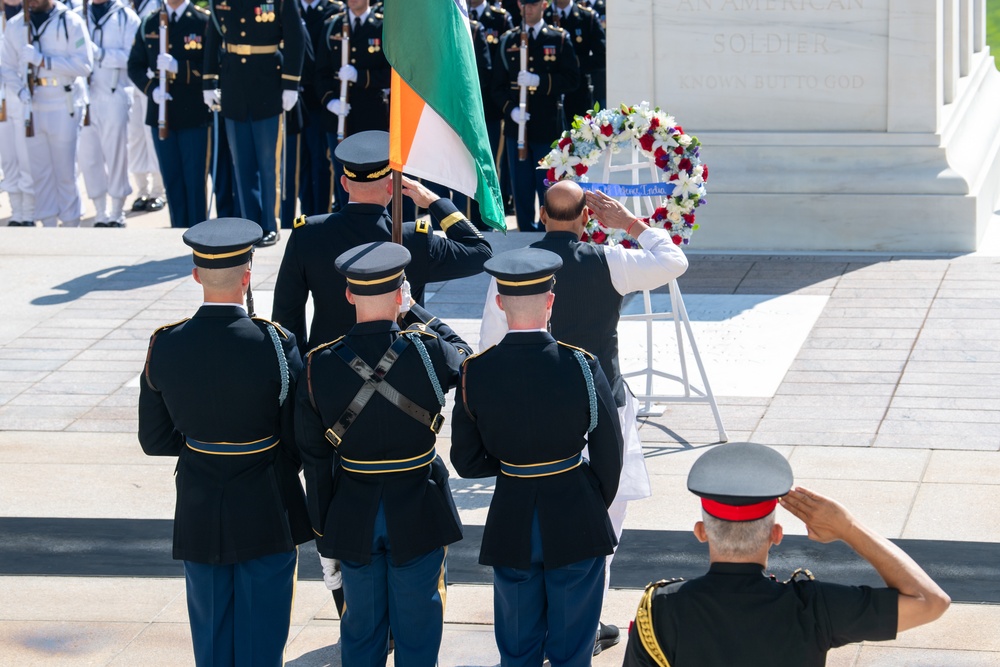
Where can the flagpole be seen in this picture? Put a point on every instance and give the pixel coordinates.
(397, 206)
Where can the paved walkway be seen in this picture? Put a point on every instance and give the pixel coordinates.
(876, 375)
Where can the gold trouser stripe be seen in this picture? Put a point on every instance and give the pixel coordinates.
(442, 584)
(277, 170)
(451, 220)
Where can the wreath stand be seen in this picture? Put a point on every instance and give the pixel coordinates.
(678, 314)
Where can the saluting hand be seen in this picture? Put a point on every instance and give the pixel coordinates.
(420, 195)
(609, 211)
(825, 518)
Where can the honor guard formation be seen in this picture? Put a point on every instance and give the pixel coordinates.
(273, 117)
(354, 402)
(236, 107)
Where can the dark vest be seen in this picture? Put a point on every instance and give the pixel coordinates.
(587, 305)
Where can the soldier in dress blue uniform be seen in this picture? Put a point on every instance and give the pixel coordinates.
(183, 155)
(258, 83)
(368, 75)
(585, 29)
(377, 491)
(547, 532)
(306, 266)
(737, 615)
(218, 393)
(552, 70)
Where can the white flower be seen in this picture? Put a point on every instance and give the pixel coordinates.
(686, 185)
(684, 140)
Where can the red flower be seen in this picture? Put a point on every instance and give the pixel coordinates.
(679, 129)
(584, 237)
(685, 164)
(688, 218)
(660, 213)
(676, 239)
(674, 177)
(626, 243)
(581, 169)
(663, 161)
(564, 142)
(599, 237)
(659, 152)
(646, 141)
(655, 123)
(704, 172)
(551, 175)
(679, 150)
(607, 130)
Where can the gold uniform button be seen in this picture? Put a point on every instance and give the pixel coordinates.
(243, 60)
(243, 20)
(353, 49)
(243, 33)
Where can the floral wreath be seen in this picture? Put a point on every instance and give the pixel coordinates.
(657, 136)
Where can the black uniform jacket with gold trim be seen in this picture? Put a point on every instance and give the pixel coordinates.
(242, 55)
(315, 20)
(495, 21)
(185, 43)
(308, 263)
(552, 58)
(529, 404)
(735, 615)
(369, 110)
(420, 514)
(216, 378)
(586, 33)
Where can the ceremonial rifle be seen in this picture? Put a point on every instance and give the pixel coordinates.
(86, 18)
(345, 47)
(161, 118)
(29, 75)
(522, 126)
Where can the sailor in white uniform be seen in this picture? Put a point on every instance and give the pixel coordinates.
(13, 149)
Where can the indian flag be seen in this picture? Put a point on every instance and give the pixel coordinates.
(437, 129)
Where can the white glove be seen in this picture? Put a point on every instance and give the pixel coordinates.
(165, 61)
(30, 54)
(334, 107)
(525, 78)
(348, 73)
(519, 117)
(24, 95)
(159, 97)
(288, 99)
(405, 306)
(212, 98)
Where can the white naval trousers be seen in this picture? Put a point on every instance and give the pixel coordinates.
(15, 163)
(104, 144)
(52, 153)
(142, 161)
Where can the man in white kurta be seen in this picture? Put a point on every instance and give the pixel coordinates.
(589, 290)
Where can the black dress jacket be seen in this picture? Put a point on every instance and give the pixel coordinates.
(738, 617)
(525, 401)
(307, 266)
(217, 378)
(185, 40)
(419, 511)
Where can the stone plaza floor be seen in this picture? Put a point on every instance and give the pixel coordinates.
(878, 376)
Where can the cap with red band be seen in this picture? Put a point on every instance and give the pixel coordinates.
(740, 481)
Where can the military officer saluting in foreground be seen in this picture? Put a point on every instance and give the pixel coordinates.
(218, 393)
(735, 615)
(185, 148)
(258, 84)
(377, 491)
(548, 530)
(306, 267)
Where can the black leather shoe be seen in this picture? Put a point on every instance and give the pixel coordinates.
(101, 224)
(155, 204)
(139, 205)
(115, 223)
(13, 223)
(270, 238)
(607, 636)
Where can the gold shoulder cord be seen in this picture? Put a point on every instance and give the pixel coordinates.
(644, 626)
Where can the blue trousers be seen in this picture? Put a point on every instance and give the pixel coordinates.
(408, 597)
(240, 613)
(180, 156)
(227, 199)
(551, 613)
(289, 183)
(256, 153)
(527, 181)
(316, 176)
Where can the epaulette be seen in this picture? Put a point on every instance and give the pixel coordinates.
(377, 15)
(420, 328)
(201, 10)
(302, 220)
(644, 623)
(478, 354)
(276, 326)
(557, 28)
(322, 347)
(579, 349)
(801, 574)
(172, 324)
(422, 227)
